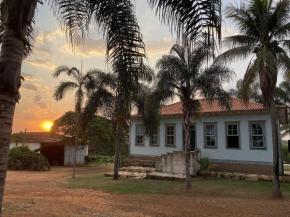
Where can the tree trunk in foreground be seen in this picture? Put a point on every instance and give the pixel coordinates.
(117, 151)
(16, 15)
(7, 106)
(276, 183)
(186, 128)
(75, 156)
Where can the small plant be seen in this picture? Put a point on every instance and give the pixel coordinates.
(13, 208)
(206, 166)
(31, 202)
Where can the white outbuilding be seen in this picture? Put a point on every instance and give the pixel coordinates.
(53, 148)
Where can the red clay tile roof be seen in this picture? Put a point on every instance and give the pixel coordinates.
(41, 137)
(207, 108)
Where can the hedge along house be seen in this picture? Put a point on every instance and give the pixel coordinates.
(239, 140)
(53, 148)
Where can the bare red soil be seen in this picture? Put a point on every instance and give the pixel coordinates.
(46, 194)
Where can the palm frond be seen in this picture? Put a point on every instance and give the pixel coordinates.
(244, 21)
(239, 40)
(62, 88)
(96, 100)
(69, 71)
(74, 16)
(235, 54)
(250, 77)
(278, 16)
(190, 18)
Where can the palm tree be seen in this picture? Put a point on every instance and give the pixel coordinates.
(106, 91)
(181, 74)
(115, 18)
(264, 31)
(81, 83)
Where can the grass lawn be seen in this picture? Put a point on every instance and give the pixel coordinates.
(286, 168)
(200, 187)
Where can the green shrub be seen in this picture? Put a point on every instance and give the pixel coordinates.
(205, 165)
(22, 158)
(285, 154)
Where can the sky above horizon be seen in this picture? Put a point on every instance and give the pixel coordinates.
(51, 50)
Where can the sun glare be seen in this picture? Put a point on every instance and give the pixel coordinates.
(46, 125)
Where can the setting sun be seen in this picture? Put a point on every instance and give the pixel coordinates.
(46, 125)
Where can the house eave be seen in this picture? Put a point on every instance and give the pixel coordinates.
(207, 114)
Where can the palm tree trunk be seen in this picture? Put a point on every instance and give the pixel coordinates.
(75, 156)
(76, 139)
(13, 12)
(186, 127)
(7, 107)
(117, 150)
(276, 183)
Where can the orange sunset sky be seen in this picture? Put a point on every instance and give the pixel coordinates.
(37, 107)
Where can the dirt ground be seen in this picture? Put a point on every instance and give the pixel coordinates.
(46, 194)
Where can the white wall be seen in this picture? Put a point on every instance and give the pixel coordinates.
(244, 154)
(31, 146)
(161, 149)
(69, 154)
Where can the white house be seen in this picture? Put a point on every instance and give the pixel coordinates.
(53, 148)
(239, 140)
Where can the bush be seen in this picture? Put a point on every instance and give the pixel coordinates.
(285, 154)
(22, 158)
(206, 166)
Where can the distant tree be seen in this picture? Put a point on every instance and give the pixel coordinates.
(183, 74)
(65, 125)
(254, 91)
(100, 136)
(17, 137)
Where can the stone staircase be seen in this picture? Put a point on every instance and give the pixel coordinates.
(168, 166)
(175, 162)
(135, 172)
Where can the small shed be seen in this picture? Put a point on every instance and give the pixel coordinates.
(53, 148)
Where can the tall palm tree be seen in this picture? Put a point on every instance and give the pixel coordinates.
(106, 91)
(264, 36)
(115, 18)
(81, 83)
(182, 73)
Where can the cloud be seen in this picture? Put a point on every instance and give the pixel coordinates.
(40, 102)
(28, 86)
(229, 31)
(41, 62)
(91, 47)
(162, 45)
(29, 77)
(37, 98)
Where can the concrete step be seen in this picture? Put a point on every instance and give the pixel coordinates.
(123, 174)
(165, 176)
(139, 163)
(135, 169)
